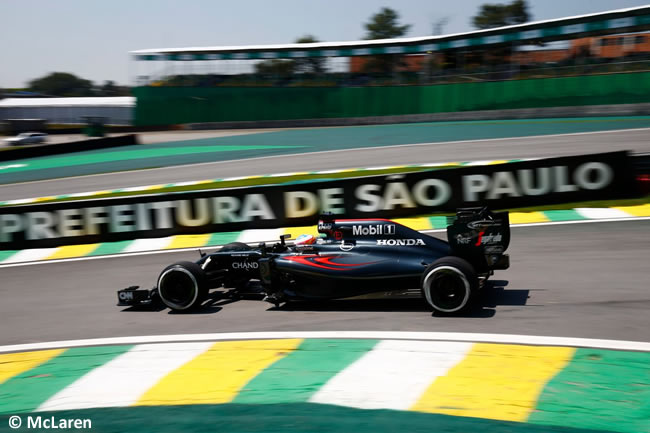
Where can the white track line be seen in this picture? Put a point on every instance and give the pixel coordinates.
(529, 340)
(12, 262)
(406, 367)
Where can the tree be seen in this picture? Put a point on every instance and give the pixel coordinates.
(62, 84)
(309, 65)
(275, 67)
(384, 25)
(492, 15)
(109, 89)
(284, 68)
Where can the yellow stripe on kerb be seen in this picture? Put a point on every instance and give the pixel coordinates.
(216, 376)
(94, 193)
(527, 217)
(188, 241)
(496, 381)
(415, 223)
(51, 197)
(154, 187)
(13, 364)
(72, 251)
(498, 161)
(297, 231)
(642, 210)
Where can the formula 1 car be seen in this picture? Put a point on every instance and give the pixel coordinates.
(355, 257)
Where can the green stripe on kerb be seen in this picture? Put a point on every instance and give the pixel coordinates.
(438, 222)
(4, 255)
(223, 238)
(27, 391)
(110, 248)
(563, 215)
(296, 377)
(599, 389)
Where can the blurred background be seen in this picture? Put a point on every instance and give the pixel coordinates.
(410, 59)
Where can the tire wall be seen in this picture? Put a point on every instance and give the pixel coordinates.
(176, 105)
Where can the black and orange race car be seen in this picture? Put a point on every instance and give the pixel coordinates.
(354, 257)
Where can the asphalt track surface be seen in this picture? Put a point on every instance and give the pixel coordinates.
(386, 154)
(576, 280)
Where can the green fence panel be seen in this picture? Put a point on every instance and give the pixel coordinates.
(175, 105)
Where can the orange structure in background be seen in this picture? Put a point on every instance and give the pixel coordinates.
(612, 46)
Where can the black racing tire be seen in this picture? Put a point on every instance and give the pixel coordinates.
(235, 246)
(449, 285)
(182, 286)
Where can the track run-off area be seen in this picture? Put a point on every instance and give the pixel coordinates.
(577, 284)
(186, 158)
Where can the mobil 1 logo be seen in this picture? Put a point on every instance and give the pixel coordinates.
(374, 230)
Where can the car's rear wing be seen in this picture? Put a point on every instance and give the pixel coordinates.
(480, 236)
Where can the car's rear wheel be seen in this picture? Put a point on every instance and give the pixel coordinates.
(182, 286)
(449, 285)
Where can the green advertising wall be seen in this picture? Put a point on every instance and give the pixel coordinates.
(174, 105)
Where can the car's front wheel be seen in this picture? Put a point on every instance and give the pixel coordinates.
(182, 286)
(449, 285)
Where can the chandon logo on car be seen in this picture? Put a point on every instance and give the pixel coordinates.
(400, 242)
(245, 265)
(379, 229)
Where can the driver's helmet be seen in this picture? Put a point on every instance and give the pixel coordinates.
(305, 240)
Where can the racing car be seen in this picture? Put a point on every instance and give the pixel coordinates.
(351, 258)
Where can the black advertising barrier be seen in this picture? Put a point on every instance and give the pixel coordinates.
(520, 184)
(33, 151)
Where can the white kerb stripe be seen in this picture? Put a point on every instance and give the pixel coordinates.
(22, 201)
(136, 188)
(393, 375)
(148, 244)
(30, 255)
(123, 380)
(602, 213)
(259, 235)
(189, 183)
(473, 163)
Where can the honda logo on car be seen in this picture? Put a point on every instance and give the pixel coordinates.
(373, 230)
(405, 242)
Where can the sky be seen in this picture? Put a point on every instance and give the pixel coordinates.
(92, 38)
